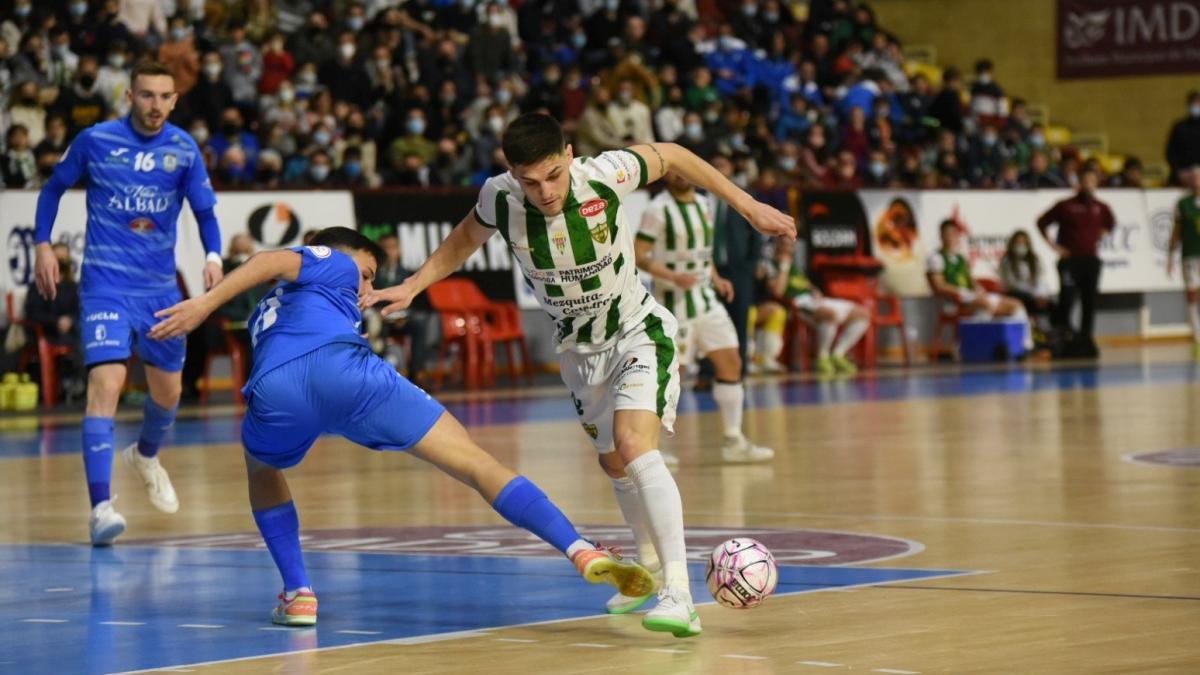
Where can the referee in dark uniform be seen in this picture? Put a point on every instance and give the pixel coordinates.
(1082, 221)
(736, 249)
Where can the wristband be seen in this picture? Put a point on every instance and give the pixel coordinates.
(213, 258)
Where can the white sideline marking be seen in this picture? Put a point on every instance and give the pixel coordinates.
(122, 623)
(199, 625)
(521, 640)
(896, 672)
(361, 632)
(43, 620)
(820, 664)
(60, 589)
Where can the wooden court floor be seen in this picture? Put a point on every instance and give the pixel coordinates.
(1078, 558)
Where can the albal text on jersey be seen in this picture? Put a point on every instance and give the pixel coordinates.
(579, 262)
(320, 307)
(135, 190)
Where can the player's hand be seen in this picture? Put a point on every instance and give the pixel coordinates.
(770, 221)
(723, 287)
(398, 297)
(45, 271)
(684, 280)
(212, 275)
(64, 325)
(180, 319)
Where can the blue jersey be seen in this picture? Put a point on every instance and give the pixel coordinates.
(135, 190)
(320, 307)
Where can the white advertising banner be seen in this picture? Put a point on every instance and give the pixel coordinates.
(274, 219)
(905, 224)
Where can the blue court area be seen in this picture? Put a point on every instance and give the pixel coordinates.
(74, 609)
(912, 385)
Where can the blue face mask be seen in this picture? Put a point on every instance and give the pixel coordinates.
(78, 8)
(22, 11)
(322, 138)
(319, 172)
(353, 168)
(416, 126)
(579, 40)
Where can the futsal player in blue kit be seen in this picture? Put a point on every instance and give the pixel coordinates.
(314, 373)
(138, 170)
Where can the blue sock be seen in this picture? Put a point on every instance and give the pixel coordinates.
(155, 422)
(98, 456)
(280, 528)
(524, 504)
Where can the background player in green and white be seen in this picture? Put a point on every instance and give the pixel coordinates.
(1187, 235)
(564, 222)
(675, 246)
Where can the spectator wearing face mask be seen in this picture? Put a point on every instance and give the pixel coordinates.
(211, 96)
(140, 16)
(319, 171)
(490, 50)
(63, 62)
(351, 174)
(315, 42)
(269, 173)
(946, 107)
(344, 76)
(988, 104)
(1130, 176)
(669, 119)
(278, 65)
(1183, 144)
(879, 171)
(413, 142)
(233, 133)
(596, 132)
(985, 157)
(243, 66)
(1039, 174)
(56, 139)
(83, 105)
(630, 116)
(113, 79)
(794, 122)
(179, 54)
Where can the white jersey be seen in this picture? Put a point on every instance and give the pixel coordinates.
(682, 235)
(579, 263)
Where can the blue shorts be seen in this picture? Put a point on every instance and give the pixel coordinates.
(343, 389)
(115, 326)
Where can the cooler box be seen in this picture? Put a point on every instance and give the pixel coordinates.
(990, 340)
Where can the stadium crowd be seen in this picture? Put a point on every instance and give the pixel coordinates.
(362, 93)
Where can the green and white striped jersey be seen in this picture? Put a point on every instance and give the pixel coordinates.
(682, 234)
(579, 263)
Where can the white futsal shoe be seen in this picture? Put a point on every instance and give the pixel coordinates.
(739, 450)
(154, 476)
(675, 614)
(623, 604)
(106, 524)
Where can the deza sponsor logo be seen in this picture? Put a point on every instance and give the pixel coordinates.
(593, 208)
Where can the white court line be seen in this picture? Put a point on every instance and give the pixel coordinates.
(200, 625)
(744, 657)
(60, 589)
(821, 664)
(361, 632)
(896, 672)
(520, 640)
(122, 623)
(590, 645)
(43, 620)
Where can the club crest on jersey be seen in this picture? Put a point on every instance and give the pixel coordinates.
(170, 162)
(600, 233)
(141, 225)
(560, 241)
(591, 430)
(621, 176)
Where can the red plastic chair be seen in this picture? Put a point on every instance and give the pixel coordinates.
(892, 318)
(47, 352)
(463, 329)
(504, 328)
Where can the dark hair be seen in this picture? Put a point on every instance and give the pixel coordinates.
(949, 222)
(1010, 258)
(1193, 95)
(982, 65)
(150, 69)
(346, 239)
(531, 138)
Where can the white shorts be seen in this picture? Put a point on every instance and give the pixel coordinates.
(991, 304)
(809, 304)
(639, 372)
(705, 334)
(1191, 273)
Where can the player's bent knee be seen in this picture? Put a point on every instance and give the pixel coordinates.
(612, 464)
(631, 444)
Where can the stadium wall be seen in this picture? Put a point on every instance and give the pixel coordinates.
(1019, 37)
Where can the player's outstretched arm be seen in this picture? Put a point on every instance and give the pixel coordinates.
(464, 240)
(659, 158)
(183, 318)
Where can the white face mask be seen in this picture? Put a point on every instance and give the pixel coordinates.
(200, 134)
(503, 96)
(346, 50)
(116, 60)
(319, 172)
(1020, 250)
(212, 70)
(787, 163)
(1194, 110)
(496, 124)
(496, 20)
(287, 95)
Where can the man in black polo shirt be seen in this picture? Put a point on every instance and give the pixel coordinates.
(1082, 220)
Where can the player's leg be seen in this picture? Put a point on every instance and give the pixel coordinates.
(645, 397)
(158, 418)
(164, 364)
(772, 319)
(279, 524)
(1011, 308)
(106, 333)
(1191, 283)
(854, 320)
(826, 322)
(717, 339)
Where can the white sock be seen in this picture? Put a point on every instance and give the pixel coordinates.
(631, 508)
(664, 513)
(772, 345)
(579, 545)
(826, 331)
(730, 398)
(1022, 315)
(1194, 319)
(851, 334)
